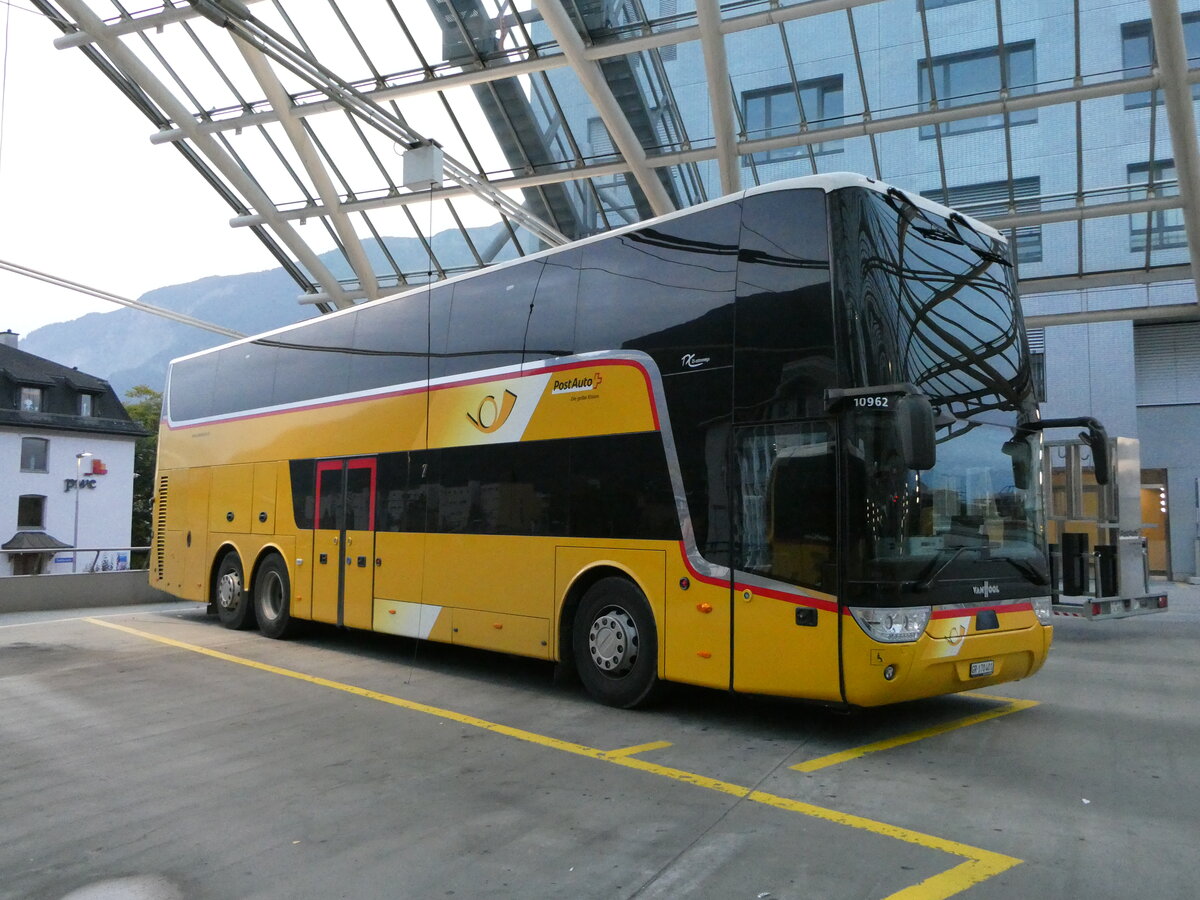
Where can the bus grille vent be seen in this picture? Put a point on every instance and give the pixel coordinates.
(160, 526)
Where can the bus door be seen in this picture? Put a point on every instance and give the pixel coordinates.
(344, 542)
(784, 498)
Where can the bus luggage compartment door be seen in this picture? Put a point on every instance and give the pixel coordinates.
(344, 542)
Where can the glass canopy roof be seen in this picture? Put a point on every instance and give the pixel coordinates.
(481, 130)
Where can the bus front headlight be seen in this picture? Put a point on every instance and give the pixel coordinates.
(892, 625)
(1041, 606)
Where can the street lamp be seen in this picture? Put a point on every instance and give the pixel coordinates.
(79, 458)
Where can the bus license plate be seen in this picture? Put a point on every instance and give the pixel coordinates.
(979, 669)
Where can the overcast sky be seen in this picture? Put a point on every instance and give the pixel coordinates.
(84, 195)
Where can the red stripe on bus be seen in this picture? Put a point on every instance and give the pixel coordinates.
(975, 610)
(796, 599)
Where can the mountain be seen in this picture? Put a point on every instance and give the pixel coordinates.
(128, 347)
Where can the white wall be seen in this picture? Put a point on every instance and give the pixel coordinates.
(105, 511)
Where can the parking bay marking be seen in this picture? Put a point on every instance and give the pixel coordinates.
(978, 864)
(1011, 705)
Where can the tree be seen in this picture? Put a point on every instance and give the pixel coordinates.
(144, 406)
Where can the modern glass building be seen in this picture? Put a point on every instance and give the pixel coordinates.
(1070, 125)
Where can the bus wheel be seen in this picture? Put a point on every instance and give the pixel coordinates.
(229, 594)
(273, 599)
(616, 644)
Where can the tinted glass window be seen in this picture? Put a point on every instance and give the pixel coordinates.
(784, 358)
(313, 360)
(245, 373)
(390, 343)
(787, 502)
(658, 289)
(190, 388)
(488, 317)
(552, 322)
(304, 491)
(931, 310)
(615, 486)
(359, 499)
(329, 499)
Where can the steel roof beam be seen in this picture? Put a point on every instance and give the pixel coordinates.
(716, 70)
(311, 160)
(596, 87)
(813, 136)
(168, 15)
(1167, 25)
(543, 63)
(128, 62)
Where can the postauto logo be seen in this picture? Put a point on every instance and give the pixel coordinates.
(574, 384)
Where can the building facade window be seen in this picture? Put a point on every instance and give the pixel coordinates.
(993, 198)
(1037, 361)
(960, 79)
(1137, 54)
(31, 511)
(1163, 229)
(34, 454)
(938, 4)
(787, 108)
(32, 398)
(86, 404)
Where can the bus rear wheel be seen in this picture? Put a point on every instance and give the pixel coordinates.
(229, 594)
(273, 599)
(615, 644)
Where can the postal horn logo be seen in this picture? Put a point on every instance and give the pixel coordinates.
(492, 414)
(573, 384)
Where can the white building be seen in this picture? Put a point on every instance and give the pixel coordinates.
(66, 467)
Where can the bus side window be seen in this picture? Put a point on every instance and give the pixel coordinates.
(551, 327)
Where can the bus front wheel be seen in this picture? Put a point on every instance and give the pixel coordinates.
(273, 599)
(615, 644)
(229, 594)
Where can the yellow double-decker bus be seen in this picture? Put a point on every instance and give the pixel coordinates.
(778, 443)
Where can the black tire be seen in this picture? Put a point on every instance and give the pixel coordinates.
(229, 594)
(615, 643)
(273, 599)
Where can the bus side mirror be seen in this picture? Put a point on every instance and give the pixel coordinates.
(1022, 460)
(1097, 438)
(915, 424)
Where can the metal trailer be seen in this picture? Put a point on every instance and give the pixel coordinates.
(1099, 567)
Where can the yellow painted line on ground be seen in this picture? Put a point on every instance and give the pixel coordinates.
(833, 759)
(978, 866)
(640, 748)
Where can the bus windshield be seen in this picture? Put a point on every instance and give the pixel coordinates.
(930, 301)
(920, 528)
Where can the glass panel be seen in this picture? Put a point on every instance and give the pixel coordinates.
(787, 502)
(360, 492)
(33, 454)
(31, 399)
(785, 108)
(31, 511)
(961, 79)
(329, 498)
(965, 511)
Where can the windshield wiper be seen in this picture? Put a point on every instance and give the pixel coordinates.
(1026, 568)
(934, 571)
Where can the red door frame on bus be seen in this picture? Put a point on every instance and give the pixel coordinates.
(344, 574)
